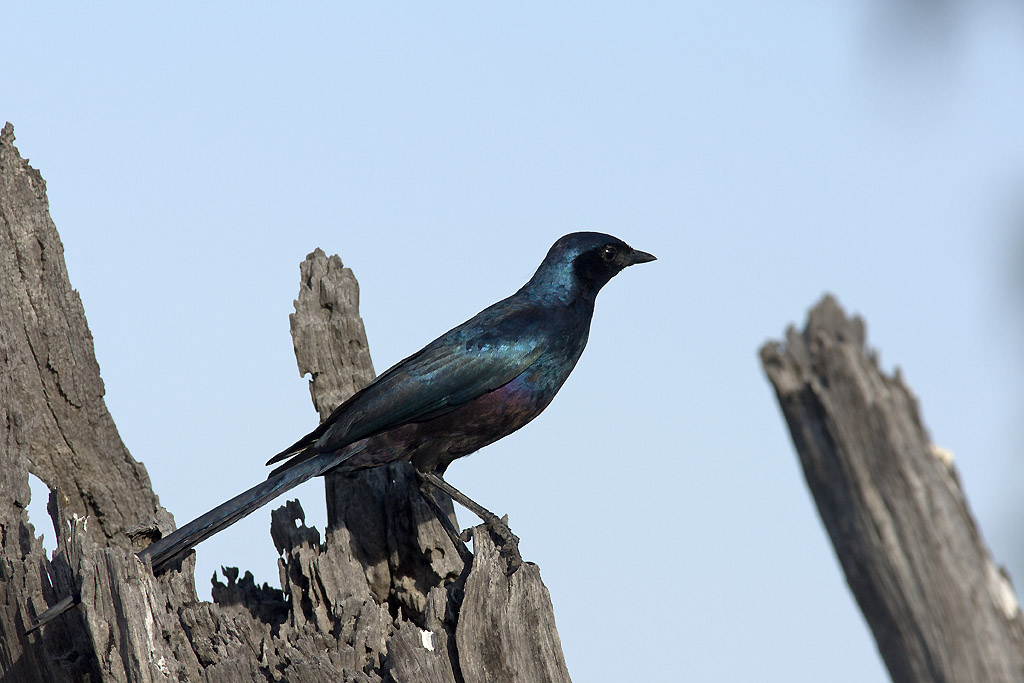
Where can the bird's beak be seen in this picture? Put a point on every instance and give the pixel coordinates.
(637, 256)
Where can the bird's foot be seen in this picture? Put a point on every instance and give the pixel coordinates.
(508, 543)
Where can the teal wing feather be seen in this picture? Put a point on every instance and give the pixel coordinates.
(467, 362)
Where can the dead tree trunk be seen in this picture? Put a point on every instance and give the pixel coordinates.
(939, 607)
(351, 608)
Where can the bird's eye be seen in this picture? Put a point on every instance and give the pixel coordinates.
(608, 253)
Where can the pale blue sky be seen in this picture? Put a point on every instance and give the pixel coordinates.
(765, 152)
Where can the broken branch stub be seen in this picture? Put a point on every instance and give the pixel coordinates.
(939, 607)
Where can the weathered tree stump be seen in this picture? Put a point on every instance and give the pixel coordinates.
(938, 605)
(383, 597)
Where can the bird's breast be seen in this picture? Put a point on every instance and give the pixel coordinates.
(433, 443)
(483, 420)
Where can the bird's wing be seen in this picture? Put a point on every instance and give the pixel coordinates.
(462, 365)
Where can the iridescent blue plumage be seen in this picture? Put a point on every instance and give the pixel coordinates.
(468, 388)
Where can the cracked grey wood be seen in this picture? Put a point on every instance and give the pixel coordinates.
(56, 425)
(349, 608)
(55, 415)
(506, 628)
(891, 501)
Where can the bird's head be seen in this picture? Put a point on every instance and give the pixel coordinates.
(581, 263)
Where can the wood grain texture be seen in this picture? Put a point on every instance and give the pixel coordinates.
(328, 333)
(506, 626)
(939, 607)
(56, 418)
(56, 425)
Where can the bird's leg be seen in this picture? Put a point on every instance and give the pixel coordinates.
(509, 541)
(426, 490)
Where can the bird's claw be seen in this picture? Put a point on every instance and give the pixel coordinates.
(513, 560)
(508, 544)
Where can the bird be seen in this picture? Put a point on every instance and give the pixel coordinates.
(470, 387)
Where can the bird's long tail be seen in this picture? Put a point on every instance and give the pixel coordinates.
(168, 550)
